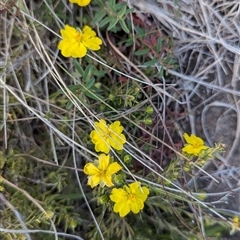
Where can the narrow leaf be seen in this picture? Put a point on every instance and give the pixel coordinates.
(87, 73)
(142, 52)
(151, 63)
(124, 26)
(99, 16)
(112, 24)
(78, 66)
(105, 21)
(159, 45)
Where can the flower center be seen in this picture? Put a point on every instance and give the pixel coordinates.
(131, 197)
(79, 37)
(196, 144)
(106, 134)
(101, 173)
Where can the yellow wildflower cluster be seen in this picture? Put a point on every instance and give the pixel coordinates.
(75, 42)
(128, 198)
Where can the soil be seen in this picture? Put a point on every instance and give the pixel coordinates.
(217, 120)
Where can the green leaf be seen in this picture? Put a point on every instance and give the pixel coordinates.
(124, 26)
(142, 52)
(151, 63)
(105, 21)
(159, 45)
(112, 24)
(129, 42)
(69, 105)
(130, 10)
(74, 88)
(93, 96)
(90, 83)
(160, 74)
(122, 12)
(99, 16)
(98, 73)
(78, 66)
(120, 5)
(3, 160)
(112, 6)
(87, 73)
(140, 31)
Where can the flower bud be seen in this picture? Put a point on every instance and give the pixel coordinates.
(148, 121)
(102, 107)
(119, 179)
(98, 85)
(73, 223)
(136, 90)
(103, 199)
(149, 110)
(111, 97)
(127, 159)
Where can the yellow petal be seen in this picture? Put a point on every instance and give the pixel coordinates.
(133, 187)
(68, 32)
(193, 139)
(78, 50)
(113, 168)
(136, 189)
(94, 180)
(116, 138)
(136, 205)
(88, 32)
(101, 125)
(117, 141)
(102, 146)
(81, 3)
(103, 161)
(190, 149)
(122, 208)
(94, 135)
(196, 140)
(64, 46)
(187, 138)
(72, 48)
(92, 43)
(118, 195)
(90, 169)
(116, 127)
(107, 180)
(142, 193)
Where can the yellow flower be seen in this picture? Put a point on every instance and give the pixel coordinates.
(236, 225)
(76, 42)
(101, 172)
(129, 198)
(104, 136)
(81, 3)
(194, 145)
